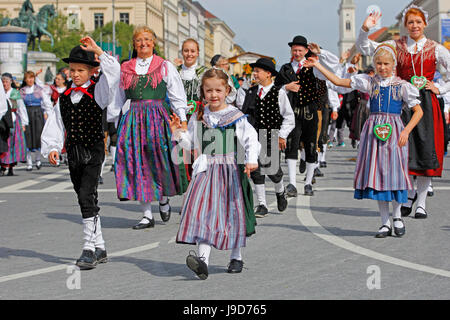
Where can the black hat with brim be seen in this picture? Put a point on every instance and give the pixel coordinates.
(78, 55)
(299, 41)
(266, 64)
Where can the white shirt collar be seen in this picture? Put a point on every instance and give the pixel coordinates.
(29, 90)
(149, 59)
(412, 43)
(85, 85)
(193, 67)
(266, 88)
(295, 64)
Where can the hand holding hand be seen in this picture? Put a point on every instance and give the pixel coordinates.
(175, 123)
(334, 115)
(310, 62)
(430, 86)
(282, 144)
(53, 157)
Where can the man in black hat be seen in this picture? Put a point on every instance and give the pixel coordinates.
(270, 113)
(79, 113)
(302, 87)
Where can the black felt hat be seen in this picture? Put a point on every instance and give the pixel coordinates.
(299, 40)
(266, 64)
(78, 55)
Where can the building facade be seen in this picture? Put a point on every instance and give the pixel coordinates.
(347, 34)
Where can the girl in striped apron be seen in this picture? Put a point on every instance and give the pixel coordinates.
(382, 165)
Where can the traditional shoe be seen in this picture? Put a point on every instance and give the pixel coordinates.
(235, 266)
(308, 190)
(302, 166)
(2, 171)
(399, 231)
(29, 168)
(354, 144)
(330, 145)
(165, 216)
(291, 191)
(198, 265)
(10, 172)
(384, 234)
(406, 211)
(101, 255)
(100, 180)
(282, 201)
(150, 224)
(112, 168)
(261, 211)
(38, 165)
(323, 164)
(421, 215)
(87, 260)
(318, 173)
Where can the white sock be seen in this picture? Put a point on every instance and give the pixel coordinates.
(103, 166)
(397, 213)
(165, 199)
(309, 172)
(320, 157)
(89, 236)
(147, 210)
(29, 159)
(236, 254)
(324, 152)
(302, 154)
(292, 170)
(260, 191)
(411, 192)
(316, 165)
(430, 187)
(204, 250)
(38, 157)
(99, 242)
(422, 189)
(279, 187)
(383, 206)
(113, 153)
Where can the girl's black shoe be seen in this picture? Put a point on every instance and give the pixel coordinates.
(384, 234)
(399, 231)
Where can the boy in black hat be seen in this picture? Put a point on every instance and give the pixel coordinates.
(79, 112)
(302, 86)
(271, 115)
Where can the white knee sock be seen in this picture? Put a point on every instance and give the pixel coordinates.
(99, 242)
(302, 154)
(309, 172)
(89, 235)
(383, 206)
(422, 189)
(147, 210)
(279, 187)
(411, 192)
(165, 199)
(29, 159)
(103, 166)
(113, 153)
(292, 170)
(236, 254)
(204, 250)
(260, 191)
(319, 157)
(38, 156)
(397, 213)
(324, 152)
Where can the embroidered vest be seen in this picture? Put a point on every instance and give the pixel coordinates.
(309, 92)
(381, 102)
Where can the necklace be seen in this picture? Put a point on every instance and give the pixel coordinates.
(144, 63)
(418, 82)
(383, 131)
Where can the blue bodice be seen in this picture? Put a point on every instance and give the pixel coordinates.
(381, 103)
(30, 100)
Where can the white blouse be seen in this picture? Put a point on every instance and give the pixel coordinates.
(21, 109)
(364, 83)
(188, 73)
(3, 104)
(245, 133)
(46, 104)
(175, 91)
(52, 138)
(367, 47)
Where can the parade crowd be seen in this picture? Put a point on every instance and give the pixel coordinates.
(213, 137)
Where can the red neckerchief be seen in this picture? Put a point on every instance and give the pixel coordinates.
(84, 90)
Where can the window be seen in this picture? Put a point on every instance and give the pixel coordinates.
(98, 20)
(124, 17)
(348, 26)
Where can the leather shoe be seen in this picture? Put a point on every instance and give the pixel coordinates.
(384, 234)
(165, 216)
(421, 215)
(101, 255)
(150, 224)
(10, 172)
(281, 201)
(235, 266)
(313, 181)
(399, 231)
(87, 260)
(100, 180)
(308, 190)
(302, 166)
(38, 165)
(198, 265)
(291, 191)
(261, 211)
(323, 164)
(407, 211)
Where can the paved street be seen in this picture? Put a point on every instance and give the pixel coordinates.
(322, 247)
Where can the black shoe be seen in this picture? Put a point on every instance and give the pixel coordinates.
(198, 265)
(399, 231)
(150, 224)
(354, 144)
(100, 180)
(407, 211)
(235, 266)
(302, 166)
(430, 193)
(165, 216)
(323, 164)
(282, 201)
(10, 172)
(261, 211)
(318, 173)
(384, 234)
(2, 171)
(421, 215)
(38, 165)
(308, 190)
(101, 255)
(29, 168)
(87, 260)
(291, 191)
(112, 168)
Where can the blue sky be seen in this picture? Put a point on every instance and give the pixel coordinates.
(266, 26)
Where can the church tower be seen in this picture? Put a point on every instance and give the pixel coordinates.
(347, 33)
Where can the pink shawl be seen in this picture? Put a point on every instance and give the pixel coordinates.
(129, 78)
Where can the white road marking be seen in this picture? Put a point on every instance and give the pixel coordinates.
(64, 266)
(306, 218)
(173, 239)
(16, 188)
